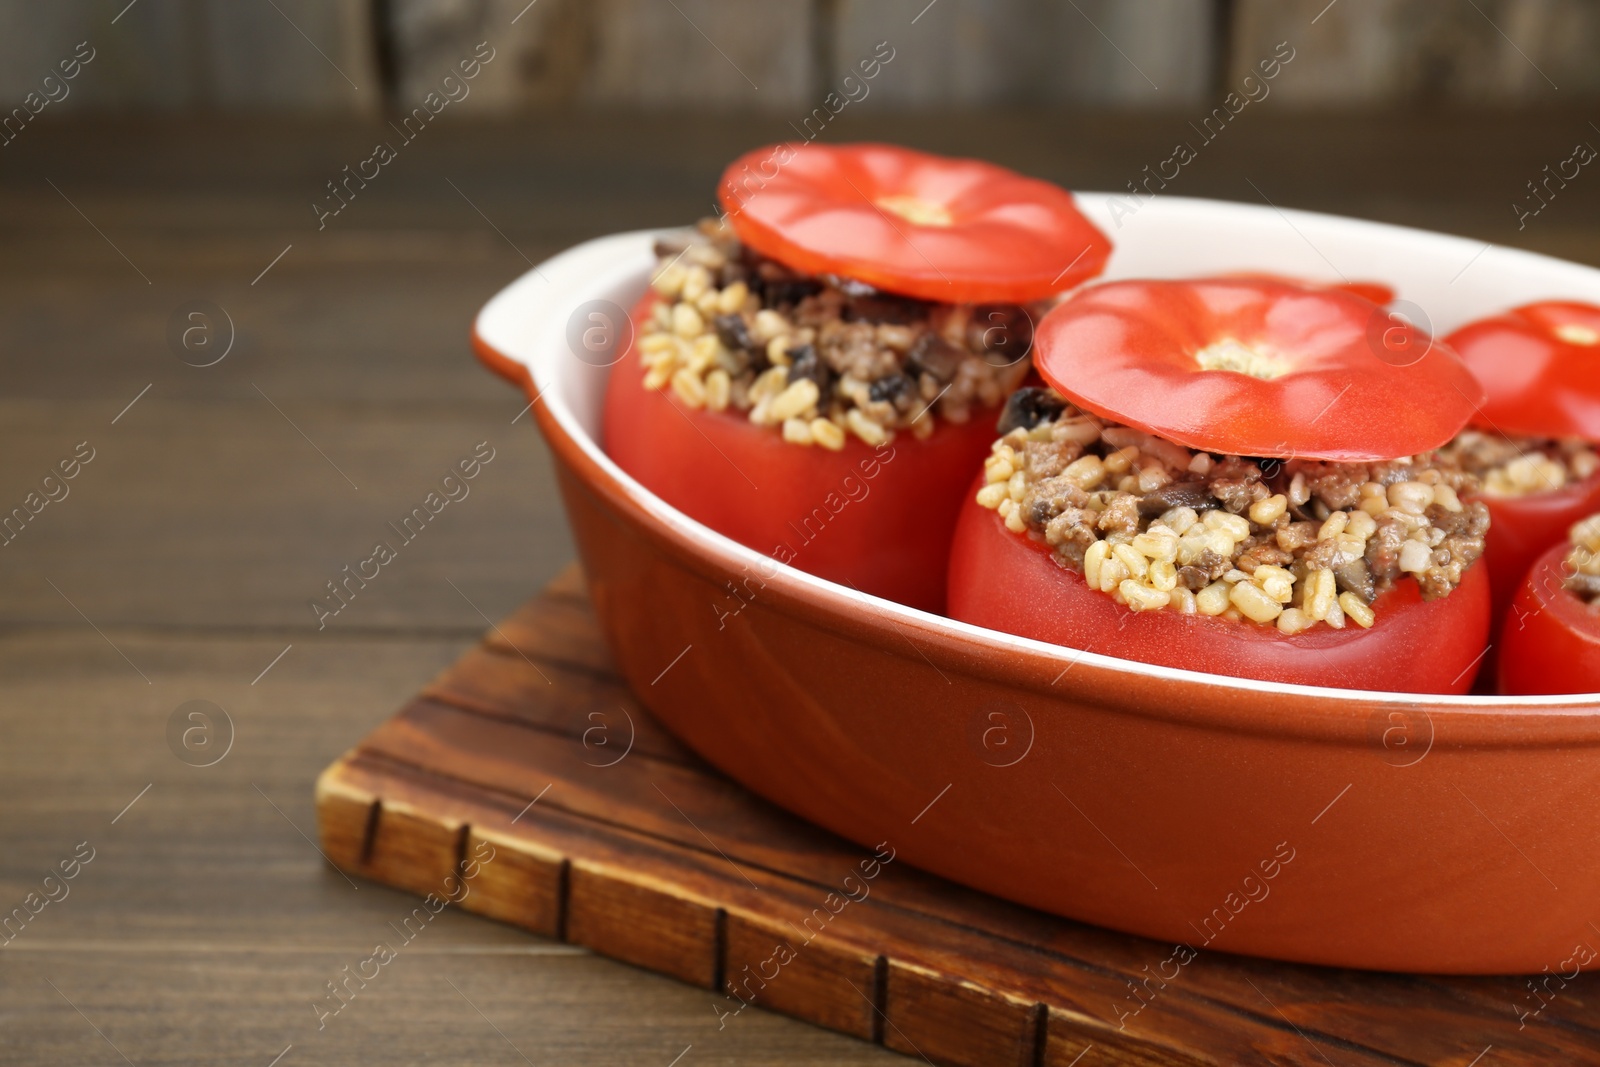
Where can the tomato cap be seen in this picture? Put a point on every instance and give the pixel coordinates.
(1256, 367)
(958, 231)
(1540, 365)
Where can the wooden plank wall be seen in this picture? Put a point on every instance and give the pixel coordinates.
(783, 56)
(193, 54)
(1377, 52)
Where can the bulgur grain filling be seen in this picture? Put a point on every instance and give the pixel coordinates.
(1583, 562)
(820, 357)
(1516, 466)
(1287, 543)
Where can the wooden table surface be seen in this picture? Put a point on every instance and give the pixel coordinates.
(180, 563)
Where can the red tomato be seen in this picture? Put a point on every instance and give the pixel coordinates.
(1325, 374)
(1537, 364)
(1551, 642)
(959, 231)
(1377, 292)
(879, 520)
(1010, 582)
(1522, 527)
(1540, 365)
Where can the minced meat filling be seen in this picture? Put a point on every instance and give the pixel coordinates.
(1516, 466)
(1291, 543)
(820, 357)
(1583, 562)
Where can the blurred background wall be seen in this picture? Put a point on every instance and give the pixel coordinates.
(368, 56)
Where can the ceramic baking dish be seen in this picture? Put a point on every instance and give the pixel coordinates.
(1360, 828)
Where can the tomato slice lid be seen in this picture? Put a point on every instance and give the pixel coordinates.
(1377, 292)
(1256, 367)
(959, 231)
(1540, 365)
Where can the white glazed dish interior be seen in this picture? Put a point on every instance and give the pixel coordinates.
(1452, 279)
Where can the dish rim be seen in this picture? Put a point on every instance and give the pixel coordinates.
(604, 266)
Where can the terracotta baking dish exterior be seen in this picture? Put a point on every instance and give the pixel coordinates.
(1358, 828)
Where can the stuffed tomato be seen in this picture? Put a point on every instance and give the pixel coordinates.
(816, 373)
(1532, 442)
(1225, 477)
(1551, 638)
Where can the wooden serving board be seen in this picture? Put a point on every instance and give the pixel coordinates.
(529, 785)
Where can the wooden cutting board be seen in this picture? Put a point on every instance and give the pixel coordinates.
(528, 785)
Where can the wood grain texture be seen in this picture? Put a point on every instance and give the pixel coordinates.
(706, 52)
(644, 54)
(543, 53)
(654, 859)
(965, 53)
(1532, 53)
(412, 257)
(149, 61)
(305, 54)
(783, 56)
(973, 53)
(206, 925)
(313, 55)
